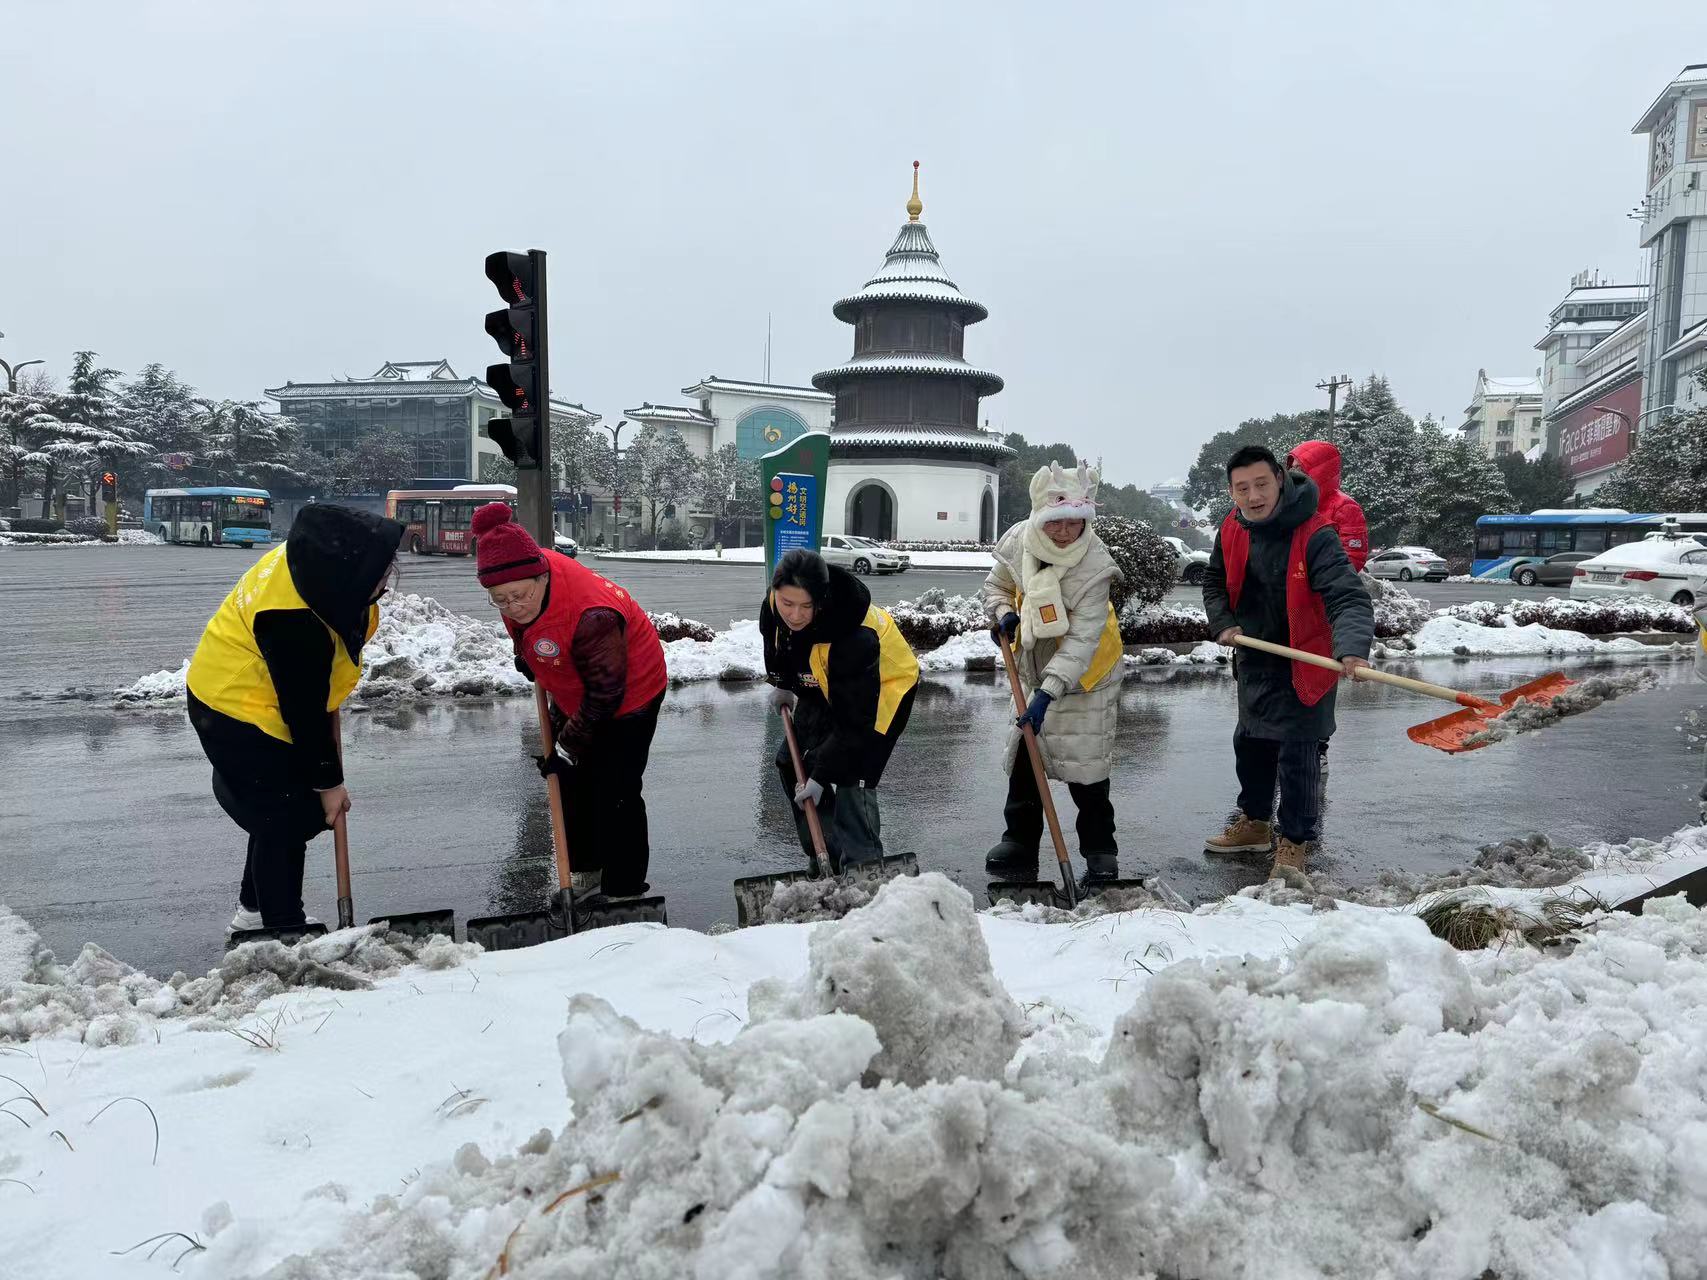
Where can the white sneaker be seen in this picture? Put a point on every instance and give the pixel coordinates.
(244, 920)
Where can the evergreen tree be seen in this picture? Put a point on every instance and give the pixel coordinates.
(1206, 483)
(80, 432)
(729, 489)
(1457, 483)
(1537, 485)
(239, 443)
(1667, 471)
(1381, 466)
(661, 468)
(160, 411)
(1371, 399)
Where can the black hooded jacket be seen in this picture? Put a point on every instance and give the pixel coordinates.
(338, 557)
(1269, 706)
(838, 734)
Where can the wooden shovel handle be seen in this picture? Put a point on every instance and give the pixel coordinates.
(1037, 769)
(1368, 673)
(812, 823)
(553, 789)
(341, 841)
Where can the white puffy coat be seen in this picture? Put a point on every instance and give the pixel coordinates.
(1079, 729)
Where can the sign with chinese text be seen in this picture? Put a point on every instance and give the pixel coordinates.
(1593, 437)
(794, 479)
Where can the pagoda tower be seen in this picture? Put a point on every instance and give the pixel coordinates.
(907, 457)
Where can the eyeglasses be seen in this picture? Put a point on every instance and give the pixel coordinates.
(518, 598)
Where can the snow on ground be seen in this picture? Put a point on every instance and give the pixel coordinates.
(126, 538)
(914, 1091)
(1443, 637)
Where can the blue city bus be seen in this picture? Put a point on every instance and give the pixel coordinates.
(210, 516)
(1505, 543)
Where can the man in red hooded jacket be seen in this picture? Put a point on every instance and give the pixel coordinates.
(1321, 462)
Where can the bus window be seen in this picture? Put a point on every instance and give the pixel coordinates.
(1488, 542)
(1591, 540)
(1555, 539)
(1618, 536)
(1518, 542)
(456, 513)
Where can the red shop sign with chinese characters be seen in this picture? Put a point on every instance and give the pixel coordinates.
(1591, 438)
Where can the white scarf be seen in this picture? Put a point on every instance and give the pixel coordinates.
(1043, 611)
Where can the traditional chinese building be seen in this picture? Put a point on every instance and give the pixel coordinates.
(907, 457)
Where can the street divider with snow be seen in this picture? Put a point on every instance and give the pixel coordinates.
(915, 1090)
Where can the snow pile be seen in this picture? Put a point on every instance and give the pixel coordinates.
(1601, 615)
(47, 540)
(1442, 637)
(100, 1000)
(1585, 695)
(936, 617)
(736, 654)
(969, 651)
(1354, 1099)
(808, 901)
(1397, 611)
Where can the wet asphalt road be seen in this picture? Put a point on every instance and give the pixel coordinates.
(108, 831)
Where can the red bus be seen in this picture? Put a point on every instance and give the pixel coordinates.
(439, 519)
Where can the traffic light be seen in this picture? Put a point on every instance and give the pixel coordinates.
(519, 329)
(109, 486)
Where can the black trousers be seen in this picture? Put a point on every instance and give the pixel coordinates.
(1296, 765)
(604, 808)
(281, 817)
(848, 812)
(1024, 810)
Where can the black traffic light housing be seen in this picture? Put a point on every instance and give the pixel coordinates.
(109, 486)
(523, 384)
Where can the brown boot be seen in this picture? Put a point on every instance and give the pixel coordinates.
(1243, 835)
(1289, 862)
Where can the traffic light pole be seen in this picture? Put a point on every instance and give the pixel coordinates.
(533, 488)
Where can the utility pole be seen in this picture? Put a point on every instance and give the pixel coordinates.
(1332, 386)
(12, 371)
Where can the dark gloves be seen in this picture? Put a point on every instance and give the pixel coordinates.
(522, 666)
(1007, 625)
(553, 763)
(1035, 711)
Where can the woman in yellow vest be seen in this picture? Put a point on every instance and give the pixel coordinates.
(844, 669)
(278, 657)
(1048, 593)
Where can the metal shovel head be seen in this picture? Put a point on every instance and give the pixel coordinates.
(1450, 732)
(419, 924)
(754, 893)
(516, 930)
(289, 934)
(601, 912)
(1049, 894)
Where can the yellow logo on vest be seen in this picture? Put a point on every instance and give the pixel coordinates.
(1047, 613)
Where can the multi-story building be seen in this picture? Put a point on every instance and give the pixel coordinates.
(1674, 232)
(444, 417)
(1590, 425)
(1504, 415)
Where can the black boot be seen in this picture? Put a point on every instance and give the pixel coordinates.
(1100, 869)
(1010, 856)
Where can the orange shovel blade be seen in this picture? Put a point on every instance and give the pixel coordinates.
(1449, 732)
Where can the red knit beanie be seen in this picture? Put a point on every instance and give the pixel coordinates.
(503, 550)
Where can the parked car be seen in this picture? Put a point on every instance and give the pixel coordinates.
(862, 555)
(568, 546)
(1554, 571)
(1672, 569)
(1189, 563)
(1407, 564)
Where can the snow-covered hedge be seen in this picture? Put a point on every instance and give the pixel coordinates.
(1596, 616)
(672, 626)
(30, 524)
(937, 617)
(940, 544)
(1397, 611)
(1162, 623)
(1146, 561)
(87, 526)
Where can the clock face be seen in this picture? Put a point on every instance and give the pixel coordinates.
(1664, 138)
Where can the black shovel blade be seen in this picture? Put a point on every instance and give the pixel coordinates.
(875, 873)
(1041, 892)
(517, 930)
(290, 935)
(754, 893)
(600, 913)
(419, 924)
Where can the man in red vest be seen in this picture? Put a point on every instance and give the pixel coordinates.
(597, 653)
(1279, 573)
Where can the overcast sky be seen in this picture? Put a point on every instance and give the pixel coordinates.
(1179, 215)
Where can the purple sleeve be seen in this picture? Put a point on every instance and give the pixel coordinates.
(600, 655)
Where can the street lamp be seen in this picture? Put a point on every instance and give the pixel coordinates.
(616, 473)
(12, 371)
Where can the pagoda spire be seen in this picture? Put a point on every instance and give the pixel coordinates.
(915, 206)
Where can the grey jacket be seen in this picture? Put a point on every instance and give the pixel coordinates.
(1269, 707)
(1080, 725)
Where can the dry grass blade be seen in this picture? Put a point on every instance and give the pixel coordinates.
(1429, 1109)
(1471, 920)
(502, 1266)
(18, 1182)
(61, 1136)
(603, 1180)
(27, 1092)
(160, 1241)
(139, 1102)
(20, 1119)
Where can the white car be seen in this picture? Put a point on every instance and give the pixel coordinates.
(862, 555)
(1672, 569)
(1189, 563)
(1407, 564)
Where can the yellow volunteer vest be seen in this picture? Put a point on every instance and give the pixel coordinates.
(227, 671)
(897, 668)
(1108, 654)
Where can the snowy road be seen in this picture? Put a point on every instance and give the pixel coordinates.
(108, 831)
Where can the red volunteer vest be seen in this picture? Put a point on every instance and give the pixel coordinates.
(545, 643)
(1306, 616)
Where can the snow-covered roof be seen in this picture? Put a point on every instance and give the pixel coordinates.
(946, 366)
(649, 412)
(912, 271)
(1589, 392)
(1691, 338)
(1695, 73)
(777, 390)
(416, 371)
(914, 437)
(1505, 388)
(1578, 326)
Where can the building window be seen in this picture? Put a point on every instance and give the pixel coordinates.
(1502, 447)
(1505, 427)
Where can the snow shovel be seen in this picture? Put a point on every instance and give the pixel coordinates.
(561, 917)
(753, 893)
(1454, 732)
